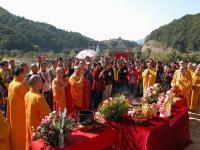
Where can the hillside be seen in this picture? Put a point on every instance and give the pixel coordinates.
(20, 33)
(118, 44)
(23, 34)
(182, 34)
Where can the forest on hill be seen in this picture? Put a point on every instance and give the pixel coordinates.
(182, 34)
(27, 35)
(23, 34)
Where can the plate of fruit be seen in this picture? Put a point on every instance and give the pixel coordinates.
(138, 116)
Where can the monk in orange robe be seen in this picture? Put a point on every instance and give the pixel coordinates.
(149, 76)
(36, 107)
(191, 68)
(183, 81)
(195, 94)
(4, 130)
(16, 110)
(76, 83)
(69, 103)
(4, 133)
(58, 89)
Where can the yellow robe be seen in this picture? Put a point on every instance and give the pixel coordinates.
(192, 71)
(16, 114)
(59, 96)
(183, 82)
(36, 109)
(195, 94)
(149, 78)
(116, 74)
(4, 133)
(76, 90)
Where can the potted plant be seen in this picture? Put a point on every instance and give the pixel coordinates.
(115, 108)
(51, 126)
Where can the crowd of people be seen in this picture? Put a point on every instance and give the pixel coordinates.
(29, 93)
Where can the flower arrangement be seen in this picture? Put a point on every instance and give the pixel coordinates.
(50, 128)
(115, 108)
(152, 93)
(164, 104)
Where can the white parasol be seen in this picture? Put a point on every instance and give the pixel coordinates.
(86, 53)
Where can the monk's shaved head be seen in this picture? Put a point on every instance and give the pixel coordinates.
(181, 62)
(34, 79)
(197, 70)
(59, 72)
(59, 69)
(77, 70)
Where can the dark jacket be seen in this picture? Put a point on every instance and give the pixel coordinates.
(108, 76)
(123, 74)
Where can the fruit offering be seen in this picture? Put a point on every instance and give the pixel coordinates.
(149, 110)
(138, 116)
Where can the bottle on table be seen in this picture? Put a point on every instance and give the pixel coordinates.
(61, 139)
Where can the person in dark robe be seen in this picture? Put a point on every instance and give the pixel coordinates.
(123, 72)
(98, 85)
(167, 78)
(160, 72)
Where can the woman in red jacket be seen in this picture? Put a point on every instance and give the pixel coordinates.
(98, 85)
(132, 80)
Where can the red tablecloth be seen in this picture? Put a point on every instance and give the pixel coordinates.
(140, 137)
(155, 134)
(181, 102)
(178, 134)
(94, 140)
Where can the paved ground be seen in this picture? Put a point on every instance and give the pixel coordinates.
(194, 130)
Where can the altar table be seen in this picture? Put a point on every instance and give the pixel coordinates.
(95, 140)
(155, 134)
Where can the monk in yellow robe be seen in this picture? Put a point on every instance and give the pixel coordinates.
(36, 107)
(16, 110)
(195, 94)
(4, 133)
(191, 68)
(76, 82)
(58, 89)
(140, 70)
(182, 80)
(4, 130)
(149, 76)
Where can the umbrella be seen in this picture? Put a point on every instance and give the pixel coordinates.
(86, 53)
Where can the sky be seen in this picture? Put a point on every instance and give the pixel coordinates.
(104, 19)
